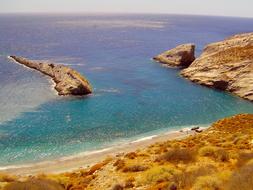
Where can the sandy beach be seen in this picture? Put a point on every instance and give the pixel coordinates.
(83, 160)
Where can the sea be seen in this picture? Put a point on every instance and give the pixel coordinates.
(134, 97)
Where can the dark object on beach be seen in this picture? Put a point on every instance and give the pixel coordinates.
(34, 184)
(67, 80)
(199, 131)
(194, 128)
(181, 56)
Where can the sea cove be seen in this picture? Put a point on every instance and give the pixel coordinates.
(133, 97)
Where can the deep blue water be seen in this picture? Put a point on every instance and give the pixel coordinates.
(133, 96)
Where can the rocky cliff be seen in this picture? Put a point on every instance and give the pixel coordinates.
(181, 56)
(226, 65)
(67, 80)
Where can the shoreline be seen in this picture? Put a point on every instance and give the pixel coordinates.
(86, 159)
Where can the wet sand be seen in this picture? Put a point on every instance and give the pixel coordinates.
(86, 159)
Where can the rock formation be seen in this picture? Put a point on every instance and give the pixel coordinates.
(181, 56)
(67, 80)
(226, 65)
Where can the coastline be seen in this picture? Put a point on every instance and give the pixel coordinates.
(86, 159)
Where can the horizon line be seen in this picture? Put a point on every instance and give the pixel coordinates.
(120, 13)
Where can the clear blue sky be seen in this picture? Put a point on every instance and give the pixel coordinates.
(242, 8)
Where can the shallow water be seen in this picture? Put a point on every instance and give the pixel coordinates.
(133, 96)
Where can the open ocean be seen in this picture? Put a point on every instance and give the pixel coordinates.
(133, 98)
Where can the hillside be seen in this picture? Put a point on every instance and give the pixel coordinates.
(220, 158)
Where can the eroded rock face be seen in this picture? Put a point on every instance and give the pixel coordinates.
(67, 80)
(226, 65)
(181, 56)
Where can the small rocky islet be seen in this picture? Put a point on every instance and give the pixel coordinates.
(67, 80)
(226, 65)
(180, 56)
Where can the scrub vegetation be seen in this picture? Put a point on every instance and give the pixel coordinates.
(220, 158)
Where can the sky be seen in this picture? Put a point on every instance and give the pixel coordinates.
(240, 8)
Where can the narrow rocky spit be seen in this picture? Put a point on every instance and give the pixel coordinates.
(67, 80)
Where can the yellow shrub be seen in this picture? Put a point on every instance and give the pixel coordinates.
(224, 175)
(207, 183)
(134, 168)
(243, 158)
(159, 174)
(218, 154)
(207, 151)
(34, 184)
(191, 174)
(7, 178)
(177, 155)
(241, 179)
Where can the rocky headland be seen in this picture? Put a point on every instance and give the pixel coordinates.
(226, 65)
(67, 81)
(181, 56)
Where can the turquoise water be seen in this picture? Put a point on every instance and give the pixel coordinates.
(133, 96)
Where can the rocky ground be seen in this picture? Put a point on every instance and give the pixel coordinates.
(67, 80)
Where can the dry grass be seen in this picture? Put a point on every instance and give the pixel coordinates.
(119, 164)
(232, 55)
(207, 183)
(118, 187)
(159, 174)
(7, 178)
(177, 155)
(216, 153)
(243, 158)
(189, 176)
(129, 183)
(131, 155)
(34, 184)
(134, 168)
(242, 179)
